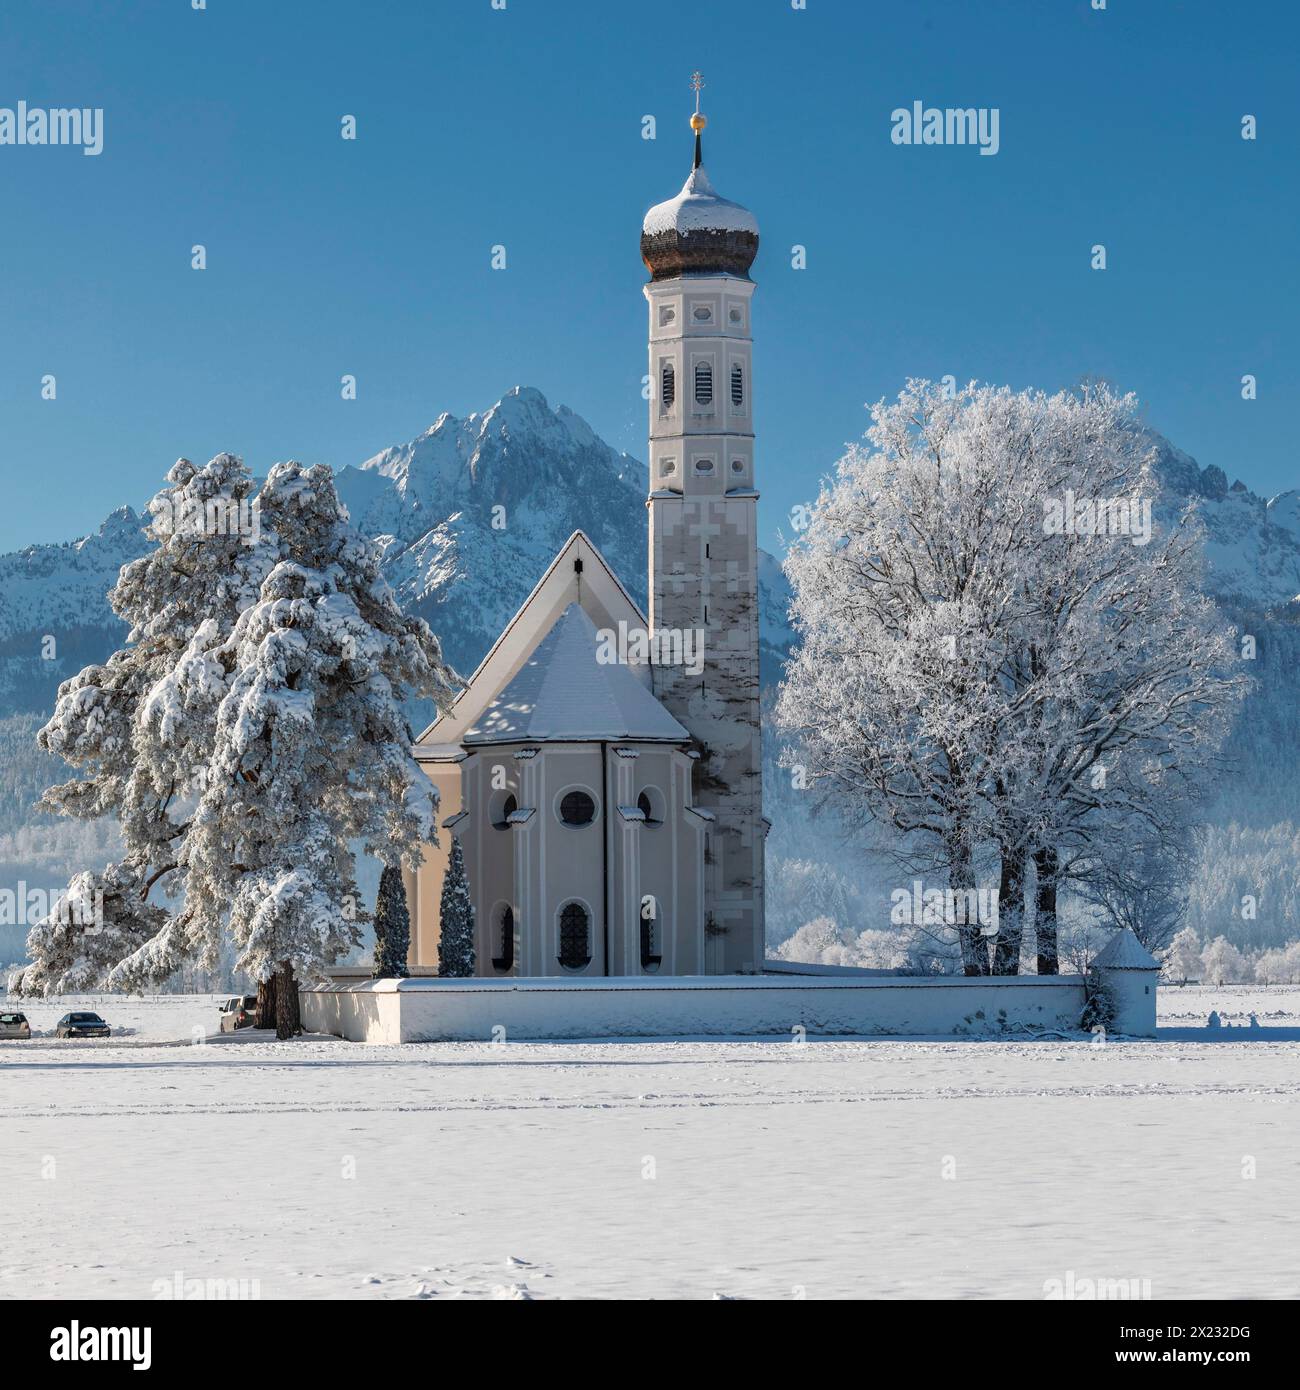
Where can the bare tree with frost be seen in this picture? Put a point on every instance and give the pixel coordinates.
(973, 676)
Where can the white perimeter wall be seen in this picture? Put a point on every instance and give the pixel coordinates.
(743, 1006)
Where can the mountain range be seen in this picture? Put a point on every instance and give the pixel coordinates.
(469, 514)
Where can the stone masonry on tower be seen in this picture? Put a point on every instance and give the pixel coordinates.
(698, 249)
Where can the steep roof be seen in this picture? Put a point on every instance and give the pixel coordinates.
(1125, 952)
(564, 693)
(578, 574)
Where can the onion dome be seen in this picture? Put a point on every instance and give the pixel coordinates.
(697, 232)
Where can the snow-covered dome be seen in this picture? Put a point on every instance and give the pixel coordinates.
(697, 232)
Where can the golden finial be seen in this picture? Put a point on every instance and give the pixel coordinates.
(698, 121)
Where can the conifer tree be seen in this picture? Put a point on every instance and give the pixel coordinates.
(392, 927)
(456, 936)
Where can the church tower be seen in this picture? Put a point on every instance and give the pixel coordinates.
(703, 507)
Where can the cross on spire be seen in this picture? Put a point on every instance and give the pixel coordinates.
(698, 121)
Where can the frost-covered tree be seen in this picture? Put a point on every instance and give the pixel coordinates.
(312, 753)
(1222, 963)
(104, 727)
(456, 918)
(969, 674)
(1142, 877)
(1183, 958)
(249, 737)
(392, 926)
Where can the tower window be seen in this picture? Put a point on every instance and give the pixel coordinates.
(703, 383)
(577, 809)
(704, 465)
(738, 385)
(507, 808)
(669, 392)
(575, 936)
(504, 957)
(650, 804)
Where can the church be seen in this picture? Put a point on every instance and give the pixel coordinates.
(601, 770)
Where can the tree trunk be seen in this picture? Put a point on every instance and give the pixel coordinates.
(974, 947)
(287, 1021)
(1045, 861)
(265, 1003)
(1011, 913)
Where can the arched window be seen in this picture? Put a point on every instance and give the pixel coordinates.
(669, 393)
(575, 936)
(507, 808)
(577, 809)
(650, 805)
(650, 953)
(738, 386)
(703, 383)
(504, 956)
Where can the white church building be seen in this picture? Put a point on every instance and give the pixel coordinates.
(602, 768)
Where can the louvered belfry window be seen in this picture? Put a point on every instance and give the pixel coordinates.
(737, 385)
(669, 386)
(703, 383)
(575, 939)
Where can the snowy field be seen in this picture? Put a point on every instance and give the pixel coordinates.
(671, 1170)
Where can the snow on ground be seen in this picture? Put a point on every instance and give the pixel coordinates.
(658, 1169)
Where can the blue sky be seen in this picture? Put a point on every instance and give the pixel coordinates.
(523, 127)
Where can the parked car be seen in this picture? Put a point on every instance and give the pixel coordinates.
(81, 1025)
(240, 1012)
(14, 1026)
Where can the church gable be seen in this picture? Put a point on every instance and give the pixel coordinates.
(578, 575)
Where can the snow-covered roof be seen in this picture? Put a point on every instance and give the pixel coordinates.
(564, 694)
(1125, 952)
(698, 208)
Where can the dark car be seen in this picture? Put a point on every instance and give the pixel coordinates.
(239, 1012)
(14, 1025)
(81, 1025)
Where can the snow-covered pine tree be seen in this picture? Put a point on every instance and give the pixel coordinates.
(456, 918)
(392, 926)
(137, 759)
(312, 752)
(247, 737)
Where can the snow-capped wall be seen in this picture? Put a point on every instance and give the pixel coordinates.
(426, 1010)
